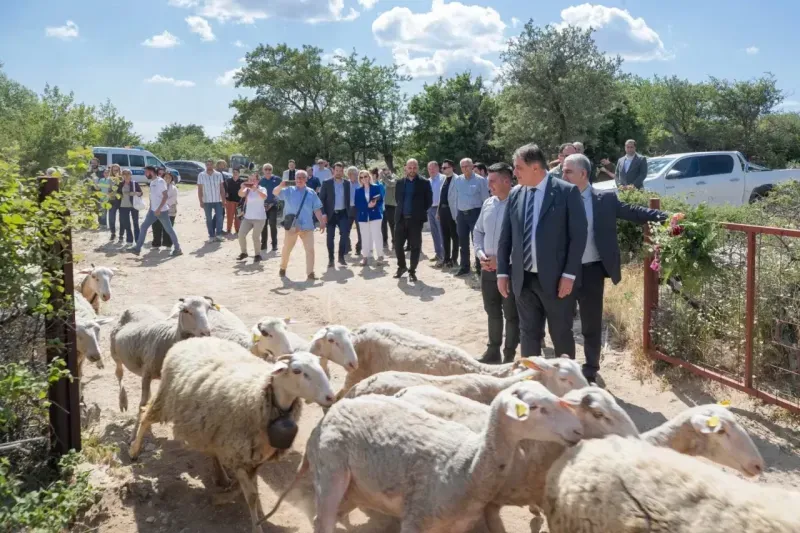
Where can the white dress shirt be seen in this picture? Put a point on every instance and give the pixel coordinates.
(486, 234)
(627, 163)
(436, 188)
(590, 254)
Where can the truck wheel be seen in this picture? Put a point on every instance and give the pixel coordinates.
(759, 193)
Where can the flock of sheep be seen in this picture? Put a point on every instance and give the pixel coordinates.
(424, 432)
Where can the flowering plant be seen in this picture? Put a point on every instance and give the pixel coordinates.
(683, 248)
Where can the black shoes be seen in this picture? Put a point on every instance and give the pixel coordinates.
(412, 276)
(241, 257)
(491, 357)
(399, 273)
(330, 263)
(257, 259)
(462, 272)
(342, 261)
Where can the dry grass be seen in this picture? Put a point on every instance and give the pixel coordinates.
(98, 452)
(623, 307)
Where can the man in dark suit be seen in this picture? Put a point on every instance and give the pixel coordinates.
(632, 167)
(414, 198)
(335, 197)
(601, 256)
(541, 244)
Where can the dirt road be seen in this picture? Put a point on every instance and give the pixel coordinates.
(165, 490)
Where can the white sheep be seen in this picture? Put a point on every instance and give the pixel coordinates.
(384, 346)
(330, 343)
(87, 334)
(222, 401)
(96, 285)
(559, 376)
(437, 476)
(629, 486)
(710, 431)
(143, 335)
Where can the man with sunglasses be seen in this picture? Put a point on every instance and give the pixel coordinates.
(447, 215)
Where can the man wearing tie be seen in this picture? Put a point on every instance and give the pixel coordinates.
(632, 167)
(539, 252)
(601, 256)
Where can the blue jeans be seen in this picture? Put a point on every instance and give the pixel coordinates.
(112, 219)
(436, 232)
(213, 223)
(165, 222)
(126, 216)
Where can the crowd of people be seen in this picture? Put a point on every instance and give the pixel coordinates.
(541, 237)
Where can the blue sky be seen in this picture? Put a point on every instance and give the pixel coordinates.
(163, 61)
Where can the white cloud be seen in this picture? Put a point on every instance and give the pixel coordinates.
(790, 104)
(242, 60)
(430, 44)
(162, 40)
(66, 32)
(751, 50)
(239, 44)
(159, 79)
(367, 4)
(331, 57)
(201, 27)
(617, 32)
(227, 79)
(248, 11)
(514, 22)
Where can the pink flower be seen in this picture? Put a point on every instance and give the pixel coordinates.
(655, 265)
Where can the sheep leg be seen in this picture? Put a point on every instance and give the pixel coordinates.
(328, 493)
(123, 396)
(247, 480)
(144, 423)
(492, 516)
(538, 520)
(146, 380)
(221, 478)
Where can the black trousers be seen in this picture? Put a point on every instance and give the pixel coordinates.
(466, 223)
(590, 298)
(502, 313)
(387, 226)
(449, 234)
(342, 221)
(353, 215)
(533, 307)
(161, 237)
(270, 226)
(408, 229)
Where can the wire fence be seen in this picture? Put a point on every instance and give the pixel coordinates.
(740, 327)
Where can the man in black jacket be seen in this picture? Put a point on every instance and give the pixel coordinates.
(539, 253)
(335, 197)
(414, 198)
(601, 258)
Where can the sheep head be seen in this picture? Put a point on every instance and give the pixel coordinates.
(97, 282)
(336, 344)
(533, 412)
(192, 313)
(720, 438)
(299, 375)
(559, 375)
(600, 413)
(270, 337)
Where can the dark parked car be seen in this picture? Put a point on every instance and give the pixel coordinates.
(190, 169)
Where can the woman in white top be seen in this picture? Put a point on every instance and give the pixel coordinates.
(254, 217)
(161, 237)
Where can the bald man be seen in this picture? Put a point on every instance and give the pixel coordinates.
(414, 197)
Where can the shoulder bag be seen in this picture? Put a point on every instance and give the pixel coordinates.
(290, 219)
(138, 201)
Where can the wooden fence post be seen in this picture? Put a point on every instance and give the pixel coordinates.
(650, 289)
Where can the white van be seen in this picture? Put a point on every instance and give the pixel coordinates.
(134, 159)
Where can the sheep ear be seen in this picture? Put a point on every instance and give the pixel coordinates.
(529, 363)
(516, 409)
(85, 271)
(181, 300)
(210, 299)
(706, 424)
(589, 402)
(104, 320)
(280, 367)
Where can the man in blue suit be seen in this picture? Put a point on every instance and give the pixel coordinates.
(539, 252)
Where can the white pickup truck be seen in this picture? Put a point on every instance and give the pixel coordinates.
(711, 177)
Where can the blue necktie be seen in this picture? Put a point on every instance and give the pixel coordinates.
(527, 247)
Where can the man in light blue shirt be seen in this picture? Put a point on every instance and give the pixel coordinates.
(303, 203)
(501, 311)
(436, 180)
(471, 191)
(322, 171)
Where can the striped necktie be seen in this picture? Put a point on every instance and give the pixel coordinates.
(527, 247)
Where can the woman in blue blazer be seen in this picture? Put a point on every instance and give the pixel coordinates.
(369, 210)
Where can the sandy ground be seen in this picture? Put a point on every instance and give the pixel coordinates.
(166, 489)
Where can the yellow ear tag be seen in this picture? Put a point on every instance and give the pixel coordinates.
(256, 337)
(713, 421)
(724, 403)
(529, 378)
(216, 306)
(522, 410)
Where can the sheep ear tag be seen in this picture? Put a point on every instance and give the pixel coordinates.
(216, 306)
(713, 421)
(521, 410)
(724, 403)
(256, 337)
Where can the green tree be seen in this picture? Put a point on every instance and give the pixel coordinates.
(559, 86)
(453, 119)
(176, 131)
(114, 129)
(295, 112)
(741, 104)
(375, 116)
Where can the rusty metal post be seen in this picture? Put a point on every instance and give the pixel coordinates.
(750, 311)
(65, 418)
(650, 287)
